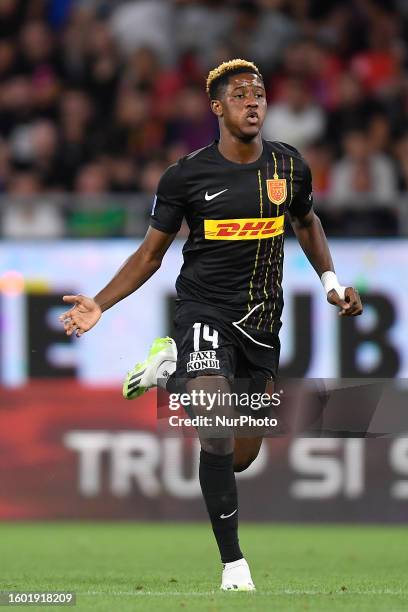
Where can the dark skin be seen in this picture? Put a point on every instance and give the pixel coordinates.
(241, 110)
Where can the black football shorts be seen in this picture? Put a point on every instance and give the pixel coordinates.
(208, 343)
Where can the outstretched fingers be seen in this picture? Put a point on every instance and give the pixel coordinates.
(68, 318)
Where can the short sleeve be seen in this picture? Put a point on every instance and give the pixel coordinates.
(303, 200)
(169, 202)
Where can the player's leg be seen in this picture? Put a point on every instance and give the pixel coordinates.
(216, 461)
(217, 480)
(246, 450)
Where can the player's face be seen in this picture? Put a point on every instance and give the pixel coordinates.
(243, 105)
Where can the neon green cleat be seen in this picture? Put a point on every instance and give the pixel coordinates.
(143, 377)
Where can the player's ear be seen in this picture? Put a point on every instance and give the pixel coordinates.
(216, 107)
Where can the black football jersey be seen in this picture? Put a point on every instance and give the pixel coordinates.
(233, 256)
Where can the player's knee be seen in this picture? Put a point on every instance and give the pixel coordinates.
(240, 465)
(217, 446)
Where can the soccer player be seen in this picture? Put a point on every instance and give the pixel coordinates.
(234, 194)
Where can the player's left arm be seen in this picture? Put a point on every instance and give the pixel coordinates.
(311, 237)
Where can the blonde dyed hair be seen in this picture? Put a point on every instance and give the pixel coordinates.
(228, 67)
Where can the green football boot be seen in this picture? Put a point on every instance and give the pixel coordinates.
(160, 363)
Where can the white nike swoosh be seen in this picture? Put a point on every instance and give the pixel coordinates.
(228, 515)
(214, 195)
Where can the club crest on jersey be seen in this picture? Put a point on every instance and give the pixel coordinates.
(277, 191)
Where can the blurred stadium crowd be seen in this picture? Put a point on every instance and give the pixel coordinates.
(98, 97)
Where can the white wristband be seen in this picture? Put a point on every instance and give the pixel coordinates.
(330, 281)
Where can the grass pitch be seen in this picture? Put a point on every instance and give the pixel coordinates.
(134, 566)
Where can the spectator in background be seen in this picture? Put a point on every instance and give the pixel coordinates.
(295, 120)
(39, 62)
(123, 173)
(5, 167)
(322, 69)
(11, 17)
(199, 26)
(143, 70)
(275, 32)
(193, 125)
(36, 48)
(34, 146)
(319, 156)
(102, 70)
(120, 82)
(144, 23)
(379, 133)
(151, 174)
(149, 179)
(309, 61)
(77, 138)
(362, 176)
(262, 31)
(135, 129)
(334, 23)
(95, 213)
(8, 56)
(44, 143)
(352, 109)
(27, 212)
(244, 28)
(401, 155)
(92, 180)
(139, 212)
(16, 105)
(379, 64)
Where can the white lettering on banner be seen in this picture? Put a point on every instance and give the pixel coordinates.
(174, 479)
(329, 476)
(156, 465)
(399, 462)
(353, 473)
(89, 446)
(133, 456)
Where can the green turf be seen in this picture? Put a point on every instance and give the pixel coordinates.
(133, 566)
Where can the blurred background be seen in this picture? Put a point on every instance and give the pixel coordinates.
(97, 98)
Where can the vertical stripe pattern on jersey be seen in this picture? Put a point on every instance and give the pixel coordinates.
(278, 260)
(268, 245)
(251, 283)
(266, 279)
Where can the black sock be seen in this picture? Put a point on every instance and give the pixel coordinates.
(217, 480)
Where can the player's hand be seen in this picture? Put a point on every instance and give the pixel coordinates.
(351, 306)
(82, 317)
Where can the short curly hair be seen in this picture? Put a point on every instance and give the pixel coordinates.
(219, 76)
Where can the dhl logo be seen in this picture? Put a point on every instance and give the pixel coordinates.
(243, 229)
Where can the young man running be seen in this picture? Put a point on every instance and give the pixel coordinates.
(234, 195)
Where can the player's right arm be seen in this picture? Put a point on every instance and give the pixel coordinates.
(136, 270)
(167, 215)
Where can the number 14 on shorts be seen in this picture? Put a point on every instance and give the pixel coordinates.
(207, 335)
